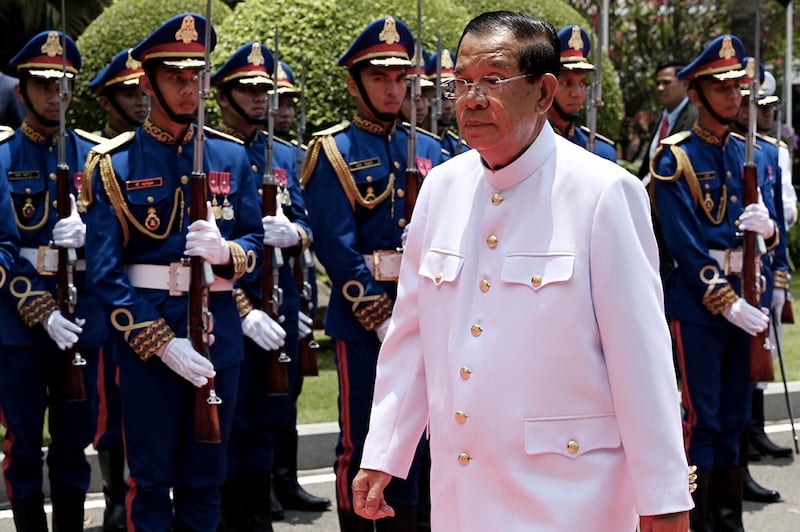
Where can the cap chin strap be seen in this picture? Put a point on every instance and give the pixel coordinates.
(385, 117)
(46, 122)
(111, 96)
(150, 69)
(227, 90)
(710, 109)
(571, 118)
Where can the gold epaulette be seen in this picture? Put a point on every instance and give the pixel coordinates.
(310, 162)
(772, 140)
(743, 138)
(91, 137)
(220, 135)
(599, 136)
(6, 133)
(682, 167)
(295, 144)
(99, 156)
(424, 132)
(341, 126)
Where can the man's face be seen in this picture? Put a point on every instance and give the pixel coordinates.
(725, 97)
(571, 91)
(285, 117)
(502, 123)
(252, 98)
(670, 91)
(43, 96)
(178, 88)
(420, 104)
(765, 117)
(385, 87)
(132, 100)
(448, 112)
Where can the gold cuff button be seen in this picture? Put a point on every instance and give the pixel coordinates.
(476, 330)
(463, 459)
(492, 241)
(573, 446)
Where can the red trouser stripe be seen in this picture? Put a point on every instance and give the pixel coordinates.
(686, 398)
(343, 461)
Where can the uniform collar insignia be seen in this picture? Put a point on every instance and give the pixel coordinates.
(165, 136)
(32, 134)
(371, 127)
(705, 135)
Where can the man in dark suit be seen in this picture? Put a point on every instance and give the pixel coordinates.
(11, 109)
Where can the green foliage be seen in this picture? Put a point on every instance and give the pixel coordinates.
(321, 31)
(120, 26)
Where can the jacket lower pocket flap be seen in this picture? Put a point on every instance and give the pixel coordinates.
(571, 436)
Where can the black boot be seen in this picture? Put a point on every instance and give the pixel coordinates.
(29, 514)
(350, 522)
(700, 515)
(727, 510)
(257, 511)
(404, 520)
(112, 470)
(288, 490)
(758, 438)
(231, 504)
(752, 490)
(67, 509)
(275, 505)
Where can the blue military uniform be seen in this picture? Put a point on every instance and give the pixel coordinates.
(575, 48)
(138, 210)
(122, 70)
(354, 178)
(697, 192)
(9, 236)
(34, 369)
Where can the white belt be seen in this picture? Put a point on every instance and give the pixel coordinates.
(729, 260)
(384, 265)
(45, 259)
(174, 277)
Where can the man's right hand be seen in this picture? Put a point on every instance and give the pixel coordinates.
(747, 317)
(179, 356)
(263, 330)
(368, 501)
(63, 332)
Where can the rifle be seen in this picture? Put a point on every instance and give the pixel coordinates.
(761, 368)
(301, 118)
(201, 322)
(774, 320)
(308, 346)
(412, 172)
(436, 106)
(271, 293)
(66, 292)
(595, 99)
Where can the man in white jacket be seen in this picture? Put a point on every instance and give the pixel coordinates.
(528, 333)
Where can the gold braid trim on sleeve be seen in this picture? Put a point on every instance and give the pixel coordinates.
(781, 278)
(238, 259)
(147, 343)
(717, 301)
(243, 303)
(35, 310)
(375, 313)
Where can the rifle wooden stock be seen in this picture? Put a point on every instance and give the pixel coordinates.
(67, 293)
(277, 371)
(307, 353)
(412, 189)
(787, 314)
(761, 368)
(206, 415)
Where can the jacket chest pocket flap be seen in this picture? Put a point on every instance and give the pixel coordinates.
(571, 436)
(537, 270)
(441, 266)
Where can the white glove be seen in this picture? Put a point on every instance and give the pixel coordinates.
(204, 240)
(63, 332)
(70, 232)
(778, 300)
(179, 356)
(404, 236)
(381, 329)
(263, 330)
(756, 218)
(747, 317)
(279, 231)
(304, 325)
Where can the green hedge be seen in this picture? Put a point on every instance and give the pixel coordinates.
(122, 25)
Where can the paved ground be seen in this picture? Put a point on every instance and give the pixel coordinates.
(783, 475)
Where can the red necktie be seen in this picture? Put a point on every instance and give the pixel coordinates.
(664, 128)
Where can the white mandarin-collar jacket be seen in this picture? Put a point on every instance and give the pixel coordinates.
(529, 336)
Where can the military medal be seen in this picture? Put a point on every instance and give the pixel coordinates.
(282, 181)
(152, 221)
(225, 189)
(28, 210)
(213, 186)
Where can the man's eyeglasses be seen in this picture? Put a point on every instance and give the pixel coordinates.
(453, 89)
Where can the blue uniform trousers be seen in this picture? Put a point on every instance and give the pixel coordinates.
(716, 391)
(356, 364)
(158, 409)
(32, 380)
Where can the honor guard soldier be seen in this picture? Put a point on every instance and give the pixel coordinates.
(37, 334)
(9, 236)
(571, 92)
(452, 143)
(119, 95)
(356, 194)
(243, 87)
(287, 92)
(141, 232)
(697, 190)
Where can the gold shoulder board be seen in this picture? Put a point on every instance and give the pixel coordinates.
(220, 135)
